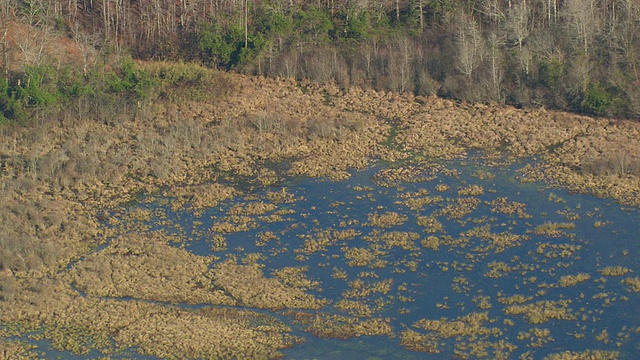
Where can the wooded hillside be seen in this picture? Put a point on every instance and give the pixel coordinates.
(577, 55)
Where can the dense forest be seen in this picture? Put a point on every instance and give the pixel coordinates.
(576, 55)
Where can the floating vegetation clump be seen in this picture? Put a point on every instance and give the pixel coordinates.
(504, 206)
(218, 243)
(554, 251)
(234, 223)
(394, 176)
(632, 283)
(459, 208)
(572, 280)
(252, 208)
(296, 277)
(536, 337)
(386, 220)
(471, 190)
(585, 355)
(550, 229)
(542, 311)
(16, 349)
(321, 240)
(281, 196)
(496, 242)
(264, 237)
(442, 187)
(201, 196)
(420, 202)
(359, 256)
(402, 239)
(430, 224)
(473, 338)
(431, 242)
(341, 327)
(614, 271)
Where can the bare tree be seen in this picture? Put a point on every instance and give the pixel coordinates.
(85, 43)
(584, 21)
(627, 38)
(492, 9)
(418, 7)
(469, 44)
(32, 45)
(495, 45)
(518, 23)
(405, 67)
(7, 9)
(35, 12)
(4, 28)
(553, 10)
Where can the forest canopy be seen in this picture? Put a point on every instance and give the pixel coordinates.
(576, 55)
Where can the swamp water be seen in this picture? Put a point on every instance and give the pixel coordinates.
(457, 258)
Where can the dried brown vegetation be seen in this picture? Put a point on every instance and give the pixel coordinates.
(60, 180)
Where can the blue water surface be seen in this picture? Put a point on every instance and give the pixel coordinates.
(450, 281)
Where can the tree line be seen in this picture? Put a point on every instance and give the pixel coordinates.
(576, 55)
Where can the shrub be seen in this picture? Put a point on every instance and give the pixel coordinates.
(314, 23)
(9, 107)
(178, 81)
(270, 22)
(596, 99)
(35, 88)
(551, 73)
(129, 80)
